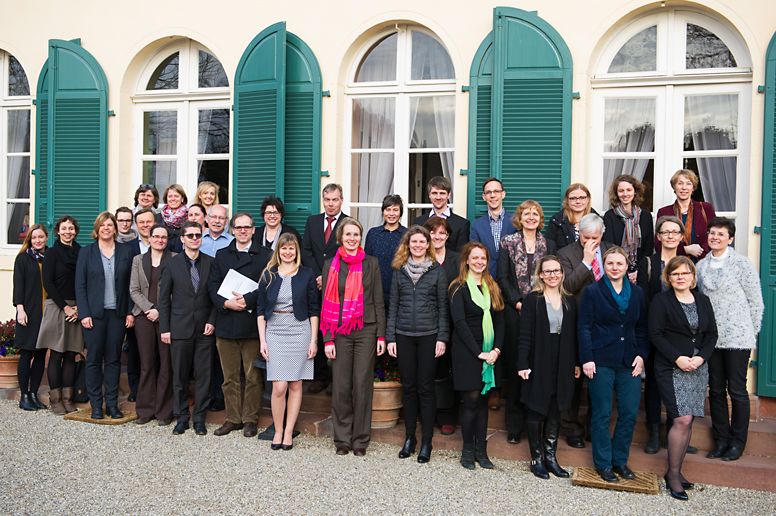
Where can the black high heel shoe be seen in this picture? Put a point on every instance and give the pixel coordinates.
(408, 448)
(679, 495)
(278, 446)
(286, 447)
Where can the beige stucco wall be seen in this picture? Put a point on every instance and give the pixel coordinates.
(123, 36)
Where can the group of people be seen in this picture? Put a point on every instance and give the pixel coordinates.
(465, 308)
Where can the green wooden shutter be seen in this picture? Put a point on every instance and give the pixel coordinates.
(72, 144)
(530, 110)
(766, 374)
(41, 150)
(480, 99)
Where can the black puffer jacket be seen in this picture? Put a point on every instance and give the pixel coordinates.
(419, 309)
(561, 231)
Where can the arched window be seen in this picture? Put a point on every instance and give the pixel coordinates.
(15, 104)
(182, 113)
(401, 121)
(673, 90)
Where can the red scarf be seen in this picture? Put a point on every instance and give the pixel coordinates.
(353, 305)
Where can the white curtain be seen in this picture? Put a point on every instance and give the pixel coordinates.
(432, 124)
(629, 127)
(444, 120)
(710, 120)
(161, 129)
(374, 126)
(18, 174)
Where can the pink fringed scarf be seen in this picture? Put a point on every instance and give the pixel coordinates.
(353, 305)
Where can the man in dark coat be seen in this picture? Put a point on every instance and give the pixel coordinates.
(439, 191)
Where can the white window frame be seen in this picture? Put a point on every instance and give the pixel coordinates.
(186, 100)
(402, 89)
(10, 103)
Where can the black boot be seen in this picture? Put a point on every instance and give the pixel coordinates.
(551, 429)
(653, 442)
(408, 448)
(467, 456)
(424, 455)
(37, 402)
(26, 403)
(481, 454)
(535, 447)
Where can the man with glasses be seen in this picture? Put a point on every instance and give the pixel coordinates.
(237, 335)
(216, 237)
(186, 322)
(494, 225)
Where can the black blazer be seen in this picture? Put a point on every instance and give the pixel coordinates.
(650, 271)
(28, 291)
(615, 228)
(576, 275)
(90, 281)
(258, 235)
(561, 231)
(533, 352)
(231, 324)
(314, 251)
(671, 334)
(304, 294)
(182, 311)
(59, 272)
(459, 229)
(452, 265)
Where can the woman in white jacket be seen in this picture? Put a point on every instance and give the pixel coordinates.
(733, 286)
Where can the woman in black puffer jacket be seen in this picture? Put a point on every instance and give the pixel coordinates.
(417, 332)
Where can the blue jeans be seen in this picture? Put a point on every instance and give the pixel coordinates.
(613, 451)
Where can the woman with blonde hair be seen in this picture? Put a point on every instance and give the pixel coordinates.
(546, 361)
(627, 224)
(174, 212)
(417, 332)
(695, 215)
(28, 297)
(206, 195)
(476, 313)
(287, 309)
(564, 226)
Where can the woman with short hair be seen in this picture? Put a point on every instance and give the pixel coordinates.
(382, 241)
(174, 212)
(273, 211)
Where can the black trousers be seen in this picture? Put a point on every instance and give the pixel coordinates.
(103, 358)
(727, 377)
(133, 361)
(514, 414)
(651, 392)
(417, 367)
(191, 356)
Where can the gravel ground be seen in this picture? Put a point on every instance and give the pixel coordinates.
(52, 466)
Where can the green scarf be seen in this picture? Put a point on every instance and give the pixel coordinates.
(482, 300)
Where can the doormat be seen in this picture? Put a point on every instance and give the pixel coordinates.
(84, 415)
(644, 483)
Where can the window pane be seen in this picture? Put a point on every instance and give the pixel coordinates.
(629, 125)
(213, 135)
(18, 180)
(718, 180)
(379, 64)
(424, 166)
(18, 222)
(160, 132)
(19, 130)
(17, 79)
(638, 54)
(706, 50)
(429, 59)
(159, 173)
(642, 169)
(369, 217)
(710, 122)
(371, 179)
(211, 73)
(373, 123)
(432, 122)
(217, 171)
(165, 77)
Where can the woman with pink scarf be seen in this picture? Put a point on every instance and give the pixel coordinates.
(353, 327)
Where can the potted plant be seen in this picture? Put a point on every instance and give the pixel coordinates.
(9, 356)
(386, 397)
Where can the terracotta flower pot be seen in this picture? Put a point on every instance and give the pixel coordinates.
(386, 403)
(8, 370)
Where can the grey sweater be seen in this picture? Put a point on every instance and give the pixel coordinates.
(734, 291)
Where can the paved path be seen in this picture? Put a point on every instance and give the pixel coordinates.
(52, 466)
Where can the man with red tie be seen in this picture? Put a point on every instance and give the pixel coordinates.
(582, 264)
(318, 244)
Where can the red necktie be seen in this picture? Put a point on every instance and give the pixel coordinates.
(329, 224)
(596, 267)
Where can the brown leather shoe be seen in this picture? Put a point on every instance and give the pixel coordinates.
(359, 452)
(316, 386)
(250, 430)
(227, 427)
(342, 450)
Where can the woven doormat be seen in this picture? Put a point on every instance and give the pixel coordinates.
(84, 415)
(644, 483)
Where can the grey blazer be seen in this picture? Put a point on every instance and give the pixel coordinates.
(139, 281)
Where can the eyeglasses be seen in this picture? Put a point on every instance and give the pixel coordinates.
(216, 217)
(578, 198)
(681, 274)
(491, 192)
(552, 272)
(272, 213)
(242, 228)
(193, 236)
(161, 237)
(669, 233)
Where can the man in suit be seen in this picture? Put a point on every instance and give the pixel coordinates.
(496, 224)
(582, 264)
(186, 322)
(319, 243)
(439, 191)
(237, 335)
